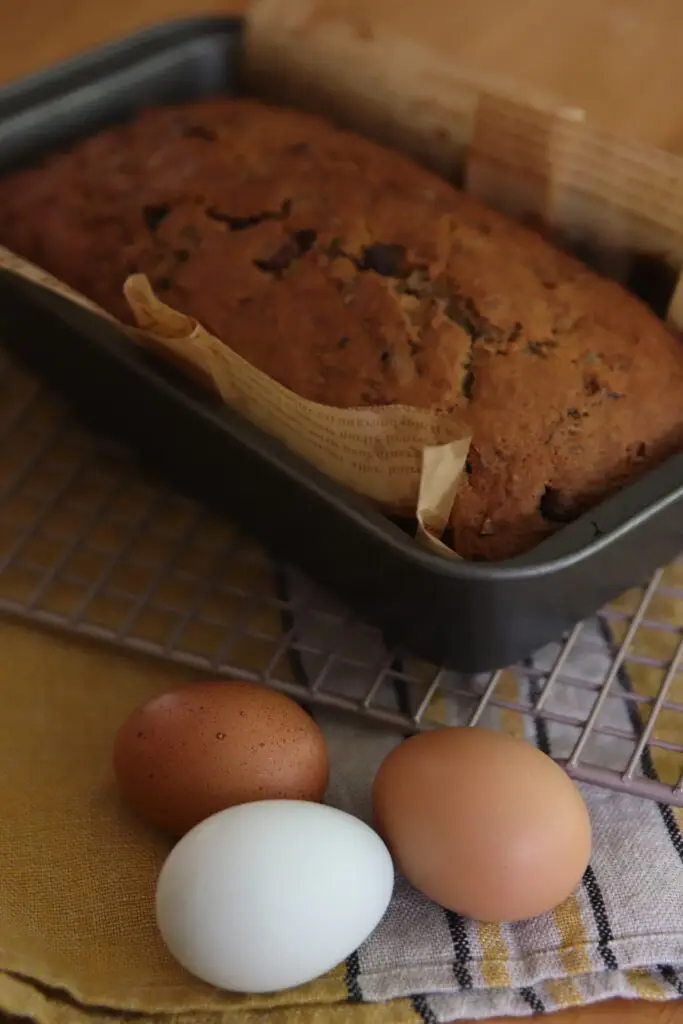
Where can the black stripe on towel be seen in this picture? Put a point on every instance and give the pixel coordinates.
(605, 933)
(423, 1009)
(353, 989)
(671, 977)
(461, 947)
(540, 727)
(646, 762)
(533, 1000)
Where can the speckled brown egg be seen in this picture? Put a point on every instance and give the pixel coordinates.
(185, 755)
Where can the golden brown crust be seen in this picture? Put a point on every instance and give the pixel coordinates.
(355, 277)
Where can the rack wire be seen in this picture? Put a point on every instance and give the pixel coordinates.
(91, 546)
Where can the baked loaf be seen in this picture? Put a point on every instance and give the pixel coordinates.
(355, 277)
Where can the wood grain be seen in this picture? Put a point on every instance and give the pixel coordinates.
(618, 59)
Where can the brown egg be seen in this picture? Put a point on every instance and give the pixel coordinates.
(185, 755)
(484, 824)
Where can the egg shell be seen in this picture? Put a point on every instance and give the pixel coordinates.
(270, 895)
(482, 823)
(187, 754)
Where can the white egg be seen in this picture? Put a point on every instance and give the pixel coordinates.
(269, 895)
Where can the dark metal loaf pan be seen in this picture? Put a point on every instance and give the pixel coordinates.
(469, 616)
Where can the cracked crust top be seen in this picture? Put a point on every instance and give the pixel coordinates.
(355, 277)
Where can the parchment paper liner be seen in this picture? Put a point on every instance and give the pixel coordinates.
(405, 460)
(516, 149)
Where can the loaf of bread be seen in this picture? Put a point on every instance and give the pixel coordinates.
(354, 277)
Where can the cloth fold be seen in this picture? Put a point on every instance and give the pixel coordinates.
(77, 937)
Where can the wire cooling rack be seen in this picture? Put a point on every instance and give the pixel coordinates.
(91, 546)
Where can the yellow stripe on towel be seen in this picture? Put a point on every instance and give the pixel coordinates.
(646, 986)
(569, 923)
(658, 644)
(563, 993)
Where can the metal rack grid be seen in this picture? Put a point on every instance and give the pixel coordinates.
(90, 546)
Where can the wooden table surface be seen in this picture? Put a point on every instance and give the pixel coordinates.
(618, 59)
